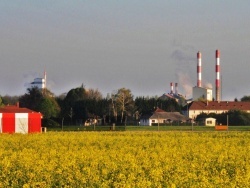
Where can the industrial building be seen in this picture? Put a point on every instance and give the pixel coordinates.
(174, 94)
(40, 83)
(200, 93)
(203, 101)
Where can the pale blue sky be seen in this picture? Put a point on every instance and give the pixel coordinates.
(142, 45)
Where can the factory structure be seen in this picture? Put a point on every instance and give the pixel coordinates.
(203, 100)
(202, 93)
(199, 93)
(173, 94)
(40, 83)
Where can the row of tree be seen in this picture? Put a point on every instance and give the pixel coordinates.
(79, 104)
(232, 117)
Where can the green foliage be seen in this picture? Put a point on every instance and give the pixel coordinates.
(10, 100)
(31, 99)
(235, 117)
(80, 110)
(245, 99)
(124, 102)
(1, 102)
(50, 123)
(79, 103)
(147, 105)
(74, 95)
(49, 107)
(38, 101)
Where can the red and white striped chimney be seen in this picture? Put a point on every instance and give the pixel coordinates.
(171, 88)
(217, 70)
(198, 69)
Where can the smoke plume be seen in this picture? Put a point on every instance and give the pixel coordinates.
(185, 61)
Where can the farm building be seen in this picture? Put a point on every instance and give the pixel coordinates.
(14, 119)
(197, 107)
(162, 117)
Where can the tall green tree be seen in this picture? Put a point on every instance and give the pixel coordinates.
(124, 102)
(37, 100)
(1, 102)
(73, 96)
(31, 99)
(245, 99)
(49, 107)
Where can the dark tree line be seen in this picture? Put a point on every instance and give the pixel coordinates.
(79, 104)
(119, 107)
(147, 105)
(232, 117)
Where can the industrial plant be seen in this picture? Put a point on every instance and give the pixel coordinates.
(203, 101)
(174, 94)
(202, 93)
(40, 83)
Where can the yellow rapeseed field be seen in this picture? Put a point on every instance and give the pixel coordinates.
(125, 159)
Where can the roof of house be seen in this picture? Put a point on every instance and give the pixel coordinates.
(219, 105)
(15, 109)
(161, 114)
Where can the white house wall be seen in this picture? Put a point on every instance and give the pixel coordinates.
(21, 122)
(194, 113)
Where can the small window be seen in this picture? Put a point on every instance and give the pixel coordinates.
(209, 122)
(153, 121)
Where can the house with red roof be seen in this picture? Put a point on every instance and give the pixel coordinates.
(14, 119)
(197, 107)
(162, 117)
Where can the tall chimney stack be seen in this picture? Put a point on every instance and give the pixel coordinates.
(217, 70)
(171, 88)
(198, 69)
(45, 79)
(176, 88)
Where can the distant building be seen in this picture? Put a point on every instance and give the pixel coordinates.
(202, 93)
(197, 107)
(210, 122)
(38, 82)
(160, 116)
(174, 95)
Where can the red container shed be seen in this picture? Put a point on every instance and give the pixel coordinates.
(19, 120)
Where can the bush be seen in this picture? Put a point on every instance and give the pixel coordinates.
(50, 123)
